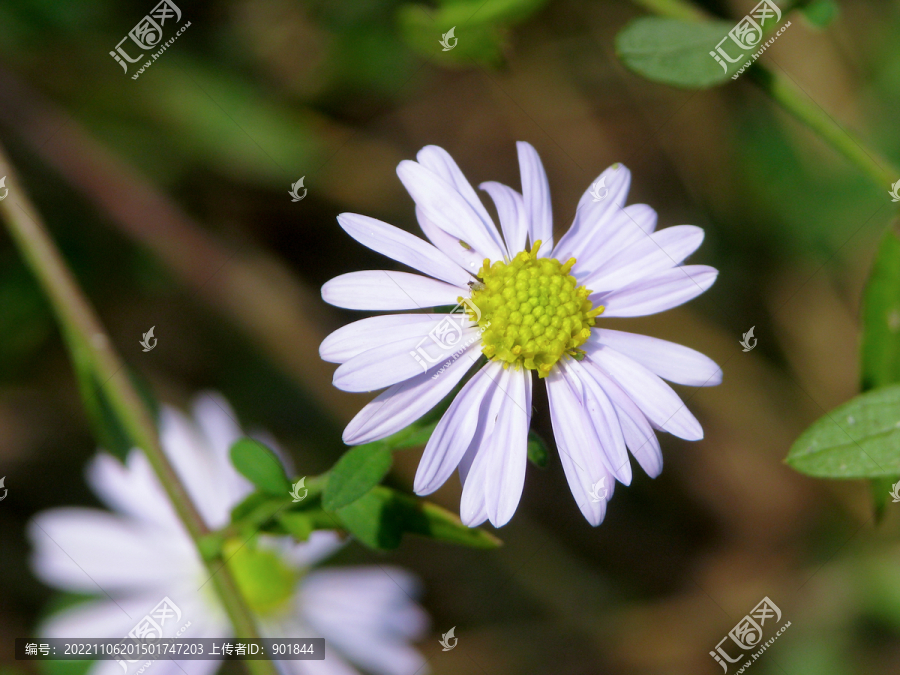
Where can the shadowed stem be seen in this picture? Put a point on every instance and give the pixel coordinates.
(789, 96)
(91, 348)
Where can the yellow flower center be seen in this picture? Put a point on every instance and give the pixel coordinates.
(531, 311)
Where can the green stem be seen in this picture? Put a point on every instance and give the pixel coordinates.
(90, 345)
(782, 90)
(789, 96)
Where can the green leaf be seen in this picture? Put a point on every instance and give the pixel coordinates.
(358, 471)
(260, 466)
(537, 450)
(860, 439)
(676, 52)
(299, 525)
(820, 13)
(481, 28)
(381, 517)
(881, 316)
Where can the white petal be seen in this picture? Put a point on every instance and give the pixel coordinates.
(657, 292)
(513, 217)
(367, 614)
(655, 398)
(403, 247)
(453, 248)
(536, 195)
(359, 336)
(131, 489)
(196, 465)
(381, 289)
(453, 434)
(507, 448)
(438, 160)
(92, 551)
(595, 220)
(669, 360)
(404, 403)
(639, 435)
(581, 459)
(320, 545)
(443, 205)
(394, 362)
(654, 253)
(623, 228)
(474, 468)
(603, 418)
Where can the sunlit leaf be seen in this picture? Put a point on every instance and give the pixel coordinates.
(381, 517)
(358, 471)
(260, 466)
(860, 439)
(881, 317)
(675, 52)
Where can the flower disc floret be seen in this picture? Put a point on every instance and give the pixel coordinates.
(531, 311)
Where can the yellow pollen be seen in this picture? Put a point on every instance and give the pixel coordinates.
(531, 311)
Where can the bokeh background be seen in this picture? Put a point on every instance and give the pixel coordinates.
(168, 196)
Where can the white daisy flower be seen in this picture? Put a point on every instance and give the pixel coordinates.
(530, 307)
(141, 553)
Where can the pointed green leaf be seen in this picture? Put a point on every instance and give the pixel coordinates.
(298, 524)
(260, 466)
(381, 517)
(881, 316)
(860, 439)
(358, 471)
(676, 52)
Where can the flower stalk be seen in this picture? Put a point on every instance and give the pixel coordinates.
(92, 349)
(794, 100)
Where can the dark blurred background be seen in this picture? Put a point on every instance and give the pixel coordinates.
(168, 196)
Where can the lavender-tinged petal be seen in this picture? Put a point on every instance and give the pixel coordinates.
(403, 247)
(655, 398)
(671, 361)
(404, 403)
(360, 336)
(658, 292)
(447, 209)
(536, 196)
(511, 210)
(383, 290)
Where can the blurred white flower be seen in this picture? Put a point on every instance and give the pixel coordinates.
(141, 553)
